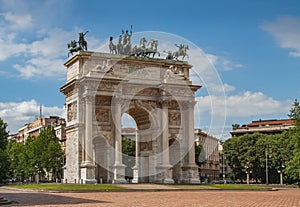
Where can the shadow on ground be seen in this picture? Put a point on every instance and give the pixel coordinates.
(29, 199)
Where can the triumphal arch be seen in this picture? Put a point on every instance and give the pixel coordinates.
(157, 93)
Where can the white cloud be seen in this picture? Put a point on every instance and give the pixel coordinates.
(18, 21)
(38, 53)
(286, 31)
(9, 47)
(38, 67)
(16, 114)
(222, 62)
(255, 103)
(211, 111)
(246, 104)
(52, 44)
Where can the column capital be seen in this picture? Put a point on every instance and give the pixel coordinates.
(188, 104)
(116, 100)
(88, 98)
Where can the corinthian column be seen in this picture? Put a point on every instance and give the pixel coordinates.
(119, 167)
(165, 134)
(165, 169)
(88, 129)
(190, 169)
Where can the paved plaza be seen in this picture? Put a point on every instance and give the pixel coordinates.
(207, 198)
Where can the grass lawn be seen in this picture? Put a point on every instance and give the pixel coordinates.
(109, 187)
(69, 187)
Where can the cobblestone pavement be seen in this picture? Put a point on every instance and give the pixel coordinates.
(283, 197)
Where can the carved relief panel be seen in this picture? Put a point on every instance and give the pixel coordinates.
(102, 115)
(103, 101)
(174, 118)
(72, 111)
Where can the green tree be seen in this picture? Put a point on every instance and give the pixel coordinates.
(293, 165)
(38, 156)
(32, 154)
(249, 151)
(54, 155)
(128, 155)
(17, 160)
(295, 113)
(49, 153)
(199, 154)
(231, 150)
(3, 153)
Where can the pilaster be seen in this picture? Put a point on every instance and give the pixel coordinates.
(87, 167)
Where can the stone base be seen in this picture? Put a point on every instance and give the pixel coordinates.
(191, 181)
(119, 181)
(119, 174)
(168, 181)
(87, 173)
(89, 181)
(164, 175)
(135, 175)
(190, 174)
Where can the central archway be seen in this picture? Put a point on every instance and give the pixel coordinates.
(143, 136)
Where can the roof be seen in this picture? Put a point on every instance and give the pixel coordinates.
(270, 122)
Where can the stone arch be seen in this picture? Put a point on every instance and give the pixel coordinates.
(145, 140)
(145, 88)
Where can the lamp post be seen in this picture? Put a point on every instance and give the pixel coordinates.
(281, 174)
(223, 167)
(267, 174)
(248, 171)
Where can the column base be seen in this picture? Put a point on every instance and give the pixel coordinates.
(135, 174)
(164, 175)
(89, 181)
(190, 174)
(119, 174)
(87, 173)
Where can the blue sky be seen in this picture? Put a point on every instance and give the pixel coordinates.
(253, 45)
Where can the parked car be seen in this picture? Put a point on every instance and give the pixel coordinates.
(215, 182)
(228, 181)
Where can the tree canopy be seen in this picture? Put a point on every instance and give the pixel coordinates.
(3, 152)
(40, 155)
(282, 150)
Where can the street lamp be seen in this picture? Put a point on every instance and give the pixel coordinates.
(280, 171)
(248, 171)
(223, 167)
(267, 174)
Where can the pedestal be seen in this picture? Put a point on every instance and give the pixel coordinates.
(135, 174)
(164, 175)
(190, 174)
(119, 174)
(87, 172)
